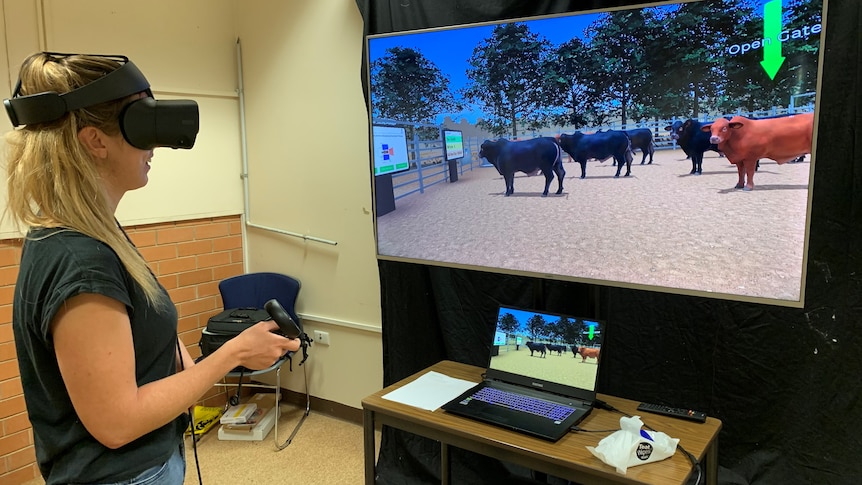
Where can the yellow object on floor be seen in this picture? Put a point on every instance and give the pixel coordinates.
(205, 418)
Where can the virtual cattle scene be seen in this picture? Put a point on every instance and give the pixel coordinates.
(667, 147)
(558, 349)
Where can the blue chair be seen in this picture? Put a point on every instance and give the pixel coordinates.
(254, 290)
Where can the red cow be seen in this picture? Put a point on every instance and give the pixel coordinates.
(588, 352)
(744, 141)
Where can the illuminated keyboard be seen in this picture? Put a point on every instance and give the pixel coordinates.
(527, 404)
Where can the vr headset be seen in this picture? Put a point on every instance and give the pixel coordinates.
(146, 123)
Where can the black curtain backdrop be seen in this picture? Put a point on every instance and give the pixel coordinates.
(785, 382)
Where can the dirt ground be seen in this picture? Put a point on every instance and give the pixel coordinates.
(660, 228)
(563, 368)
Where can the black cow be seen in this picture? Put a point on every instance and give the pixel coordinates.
(693, 142)
(559, 349)
(535, 346)
(528, 156)
(641, 138)
(599, 146)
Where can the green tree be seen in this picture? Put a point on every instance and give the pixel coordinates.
(407, 86)
(569, 330)
(536, 327)
(620, 65)
(565, 75)
(685, 53)
(803, 53)
(506, 79)
(508, 324)
(552, 331)
(645, 94)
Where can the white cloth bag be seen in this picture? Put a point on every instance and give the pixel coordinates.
(632, 445)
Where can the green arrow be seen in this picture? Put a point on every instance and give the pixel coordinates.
(592, 331)
(772, 58)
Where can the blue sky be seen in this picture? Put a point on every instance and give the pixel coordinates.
(450, 48)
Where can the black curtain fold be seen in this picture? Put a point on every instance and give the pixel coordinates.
(784, 381)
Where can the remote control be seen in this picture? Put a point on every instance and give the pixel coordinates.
(688, 414)
(288, 327)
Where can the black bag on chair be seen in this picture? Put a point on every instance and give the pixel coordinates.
(227, 325)
(231, 322)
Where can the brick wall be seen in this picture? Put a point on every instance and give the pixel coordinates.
(189, 258)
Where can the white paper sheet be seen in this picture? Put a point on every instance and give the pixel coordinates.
(429, 391)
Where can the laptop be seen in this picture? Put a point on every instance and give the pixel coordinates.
(542, 376)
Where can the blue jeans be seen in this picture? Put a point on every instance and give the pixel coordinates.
(171, 472)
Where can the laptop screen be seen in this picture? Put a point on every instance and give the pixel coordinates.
(547, 347)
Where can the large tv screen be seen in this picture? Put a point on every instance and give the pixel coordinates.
(667, 146)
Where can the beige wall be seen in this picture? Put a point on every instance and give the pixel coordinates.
(308, 174)
(186, 50)
(307, 144)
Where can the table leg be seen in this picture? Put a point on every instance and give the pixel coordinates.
(712, 463)
(368, 432)
(444, 464)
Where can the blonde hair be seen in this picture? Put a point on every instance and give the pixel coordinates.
(53, 181)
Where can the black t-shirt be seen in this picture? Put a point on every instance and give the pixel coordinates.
(57, 264)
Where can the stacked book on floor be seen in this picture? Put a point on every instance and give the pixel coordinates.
(250, 421)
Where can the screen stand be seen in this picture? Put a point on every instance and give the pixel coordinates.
(453, 170)
(384, 194)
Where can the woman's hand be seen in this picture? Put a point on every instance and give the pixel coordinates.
(258, 347)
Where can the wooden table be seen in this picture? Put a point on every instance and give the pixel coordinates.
(567, 458)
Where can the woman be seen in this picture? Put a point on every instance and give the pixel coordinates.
(105, 379)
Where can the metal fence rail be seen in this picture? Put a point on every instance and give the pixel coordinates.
(428, 167)
(426, 155)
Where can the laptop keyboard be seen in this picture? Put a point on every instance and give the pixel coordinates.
(527, 404)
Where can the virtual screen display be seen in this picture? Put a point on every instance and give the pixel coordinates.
(667, 147)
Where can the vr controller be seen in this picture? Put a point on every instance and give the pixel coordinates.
(146, 123)
(288, 327)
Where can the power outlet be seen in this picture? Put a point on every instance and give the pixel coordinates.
(321, 338)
